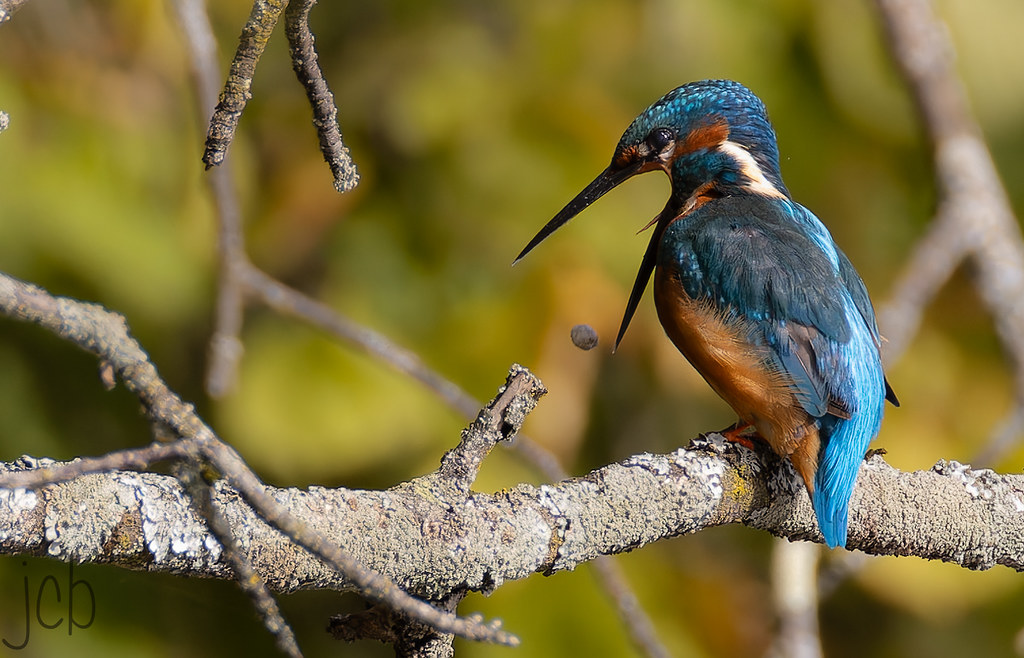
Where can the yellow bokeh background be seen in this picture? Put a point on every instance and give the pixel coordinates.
(472, 124)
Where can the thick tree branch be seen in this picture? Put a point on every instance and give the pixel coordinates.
(432, 539)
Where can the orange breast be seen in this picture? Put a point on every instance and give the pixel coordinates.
(738, 371)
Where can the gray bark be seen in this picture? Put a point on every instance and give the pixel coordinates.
(431, 538)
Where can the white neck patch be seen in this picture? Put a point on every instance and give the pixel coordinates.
(756, 181)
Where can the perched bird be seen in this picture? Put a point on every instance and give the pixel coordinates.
(750, 287)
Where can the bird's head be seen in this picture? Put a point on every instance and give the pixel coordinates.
(711, 135)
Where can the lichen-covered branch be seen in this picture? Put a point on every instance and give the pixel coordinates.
(432, 540)
(500, 421)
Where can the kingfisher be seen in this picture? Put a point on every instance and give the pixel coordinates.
(751, 288)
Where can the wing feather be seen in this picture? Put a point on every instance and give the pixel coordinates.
(748, 257)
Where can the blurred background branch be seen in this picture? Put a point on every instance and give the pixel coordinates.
(974, 217)
(974, 220)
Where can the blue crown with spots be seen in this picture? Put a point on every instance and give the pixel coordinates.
(692, 105)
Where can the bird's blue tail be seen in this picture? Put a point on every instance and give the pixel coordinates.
(839, 462)
(844, 443)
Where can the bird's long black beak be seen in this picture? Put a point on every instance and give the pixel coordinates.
(606, 181)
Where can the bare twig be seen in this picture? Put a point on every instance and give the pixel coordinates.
(841, 567)
(498, 422)
(292, 303)
(225, 351)
(1004, 437)
(200, 495)
(264, 16)
(932, 263)
(251, 44)
(136, 459)
(325, 112)
(641, 630)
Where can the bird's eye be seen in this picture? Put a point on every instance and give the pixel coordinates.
(659, 139)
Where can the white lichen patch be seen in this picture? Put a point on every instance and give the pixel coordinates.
(166, 532)
(710, 472)
(213, 546)
(50, 525)
(16, 501)
(79, 517)
(548, 502)
(977, 483)
(656, 464)
(699, 468)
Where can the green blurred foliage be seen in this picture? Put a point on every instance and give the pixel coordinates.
(472, 123)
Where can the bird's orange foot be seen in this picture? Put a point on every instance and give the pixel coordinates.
(741, 433)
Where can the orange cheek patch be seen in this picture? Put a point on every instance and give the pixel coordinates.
(706, 136)
(628, 156)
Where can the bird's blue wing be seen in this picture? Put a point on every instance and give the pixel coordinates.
(748, 257)
(859, 294)
(851, 280)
